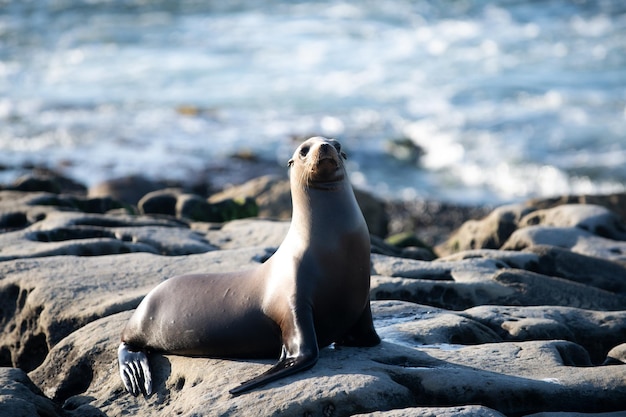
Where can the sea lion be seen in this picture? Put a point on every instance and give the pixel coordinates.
(312, 292)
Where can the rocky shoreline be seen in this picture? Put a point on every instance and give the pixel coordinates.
(514, 311)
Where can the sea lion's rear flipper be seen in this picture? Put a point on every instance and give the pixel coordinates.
(134, 370)
(284, 367)
(300, 351)
(362, 334)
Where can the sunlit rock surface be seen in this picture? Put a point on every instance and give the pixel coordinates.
(530, 318)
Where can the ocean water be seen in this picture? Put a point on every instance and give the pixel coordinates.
(507, 99)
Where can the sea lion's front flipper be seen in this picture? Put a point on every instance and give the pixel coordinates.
(300, 352)
(134, 370)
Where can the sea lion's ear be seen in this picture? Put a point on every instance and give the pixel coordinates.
(343, 154)
(290, 163)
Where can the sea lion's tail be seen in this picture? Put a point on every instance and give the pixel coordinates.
(134, 370)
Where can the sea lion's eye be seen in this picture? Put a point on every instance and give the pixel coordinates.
(304, 151)
(337, 146)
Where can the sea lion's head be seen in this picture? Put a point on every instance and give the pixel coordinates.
(318, 163)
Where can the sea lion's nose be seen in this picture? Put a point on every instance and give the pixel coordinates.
(325, 148)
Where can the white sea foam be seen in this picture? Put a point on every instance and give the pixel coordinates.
(507, 100)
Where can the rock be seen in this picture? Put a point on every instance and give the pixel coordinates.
(178, 380)
(69, 233)
(128, 189)
(449, 329)
(413, 325)
(476, 281)
(513, 378)
(518, 260)
(103, 205)
(615, 202)
(588, 270)
(193, 207)
(411, 246)
(93, 349)
(381, 247)
(20, 209)
(537, 328)
(245, 233)
(232, 209)
(19, 397)
(35, 183)
(505, 224)
(617, 355)
(451, 285)
(176, 203)
(536, 289)
(466, 411)
(405, 240)
(518, 332)
(570, 414)
(44, 180)
(596, 331)
(575, 239)
(160, 202)
(12, 221)
(46, 299)
(437, 271)
(273, 197)
(488, 233)
(595, 219)
(374, 212)
(432, 221)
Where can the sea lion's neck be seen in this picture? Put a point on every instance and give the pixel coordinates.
(327, 207)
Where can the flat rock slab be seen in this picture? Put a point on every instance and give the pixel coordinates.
(69, 233)
(504, 286)
(577, 240)
(466, 411)
(45, 299)
(597, 331)
(509, 377)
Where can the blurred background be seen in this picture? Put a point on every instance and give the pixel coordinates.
(465, 101)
